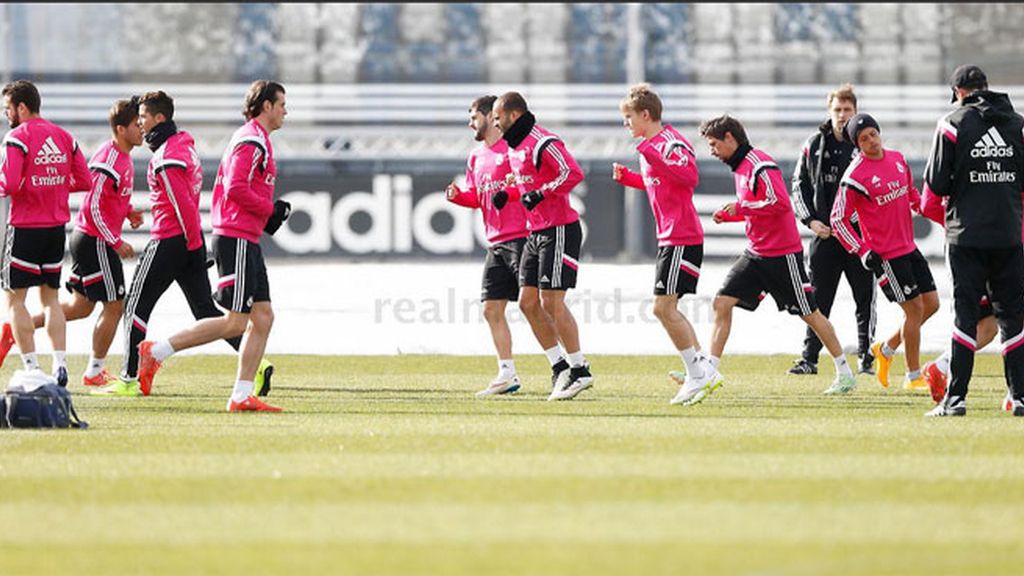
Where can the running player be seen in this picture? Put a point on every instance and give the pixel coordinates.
(773, 262)
(668, 172)
(543, 175)
(505, 226)
(243, 208)
(176, 251)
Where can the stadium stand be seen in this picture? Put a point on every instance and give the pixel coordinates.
(391, 79)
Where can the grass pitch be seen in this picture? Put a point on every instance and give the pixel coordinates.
(389, 465)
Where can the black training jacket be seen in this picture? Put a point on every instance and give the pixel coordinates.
(977, 160)
(823, 159)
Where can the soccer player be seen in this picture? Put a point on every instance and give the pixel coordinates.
(668, 172)
(176, 251)
(96, 244)
(243, 208)
(505, 226)
(543, 175)
(42, 165)
(774, 260)
(878, 189)
(822, 162)
(977, 165)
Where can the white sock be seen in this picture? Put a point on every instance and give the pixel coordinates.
(95, 366)
(30, 361)
(913, 374)
(59, 359)
(506, 368)
(887, 352)
(942, 362)
(162, 350)
(842, 366)
(554, 354)
(714, 361)
(576, 359)
(243, 389)
(693, 367)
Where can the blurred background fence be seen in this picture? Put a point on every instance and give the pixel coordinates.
(378, 94)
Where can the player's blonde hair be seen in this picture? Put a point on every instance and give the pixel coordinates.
(640, 98)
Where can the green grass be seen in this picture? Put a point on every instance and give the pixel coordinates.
(389, 465)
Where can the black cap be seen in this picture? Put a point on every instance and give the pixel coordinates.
(967, 76)
(856, 124)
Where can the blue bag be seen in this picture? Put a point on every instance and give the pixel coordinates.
(48, 406)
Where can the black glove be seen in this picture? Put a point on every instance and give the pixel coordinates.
(282, 210)
(499, 199)
(531, 199)
(872, 261)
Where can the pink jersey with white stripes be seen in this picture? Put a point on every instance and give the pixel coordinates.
(486, 170)
(175, 178)
(668, 172)
(243, 195)
(109, 201)
(542, 163)
(42, 165)
(764, 204)
(882, 194)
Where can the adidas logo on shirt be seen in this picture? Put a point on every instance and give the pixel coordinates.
(660, 284)
(49, 153)
(991, 145)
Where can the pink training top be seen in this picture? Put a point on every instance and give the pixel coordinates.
(764, 204)
(542, 163)
(668, 172)
(109, 201)
(243, 195)
(42, 165)
(175, 178)
(882, 194)
(485, 174)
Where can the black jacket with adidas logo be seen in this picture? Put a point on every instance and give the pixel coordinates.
(977, 161)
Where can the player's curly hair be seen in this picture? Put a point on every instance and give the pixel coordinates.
(259, 92)
(641, 98)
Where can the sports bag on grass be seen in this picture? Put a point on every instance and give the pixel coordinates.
(48, 406)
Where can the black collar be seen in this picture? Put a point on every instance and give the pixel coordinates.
(520, 129)
(159, 134)
(738, 156)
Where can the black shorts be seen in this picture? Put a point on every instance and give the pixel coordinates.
(678, 269)
(501, 271)
(241, 274)
(96, 270)
(551, 257)
(906, 277)
(32, 257)
(784, 277)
